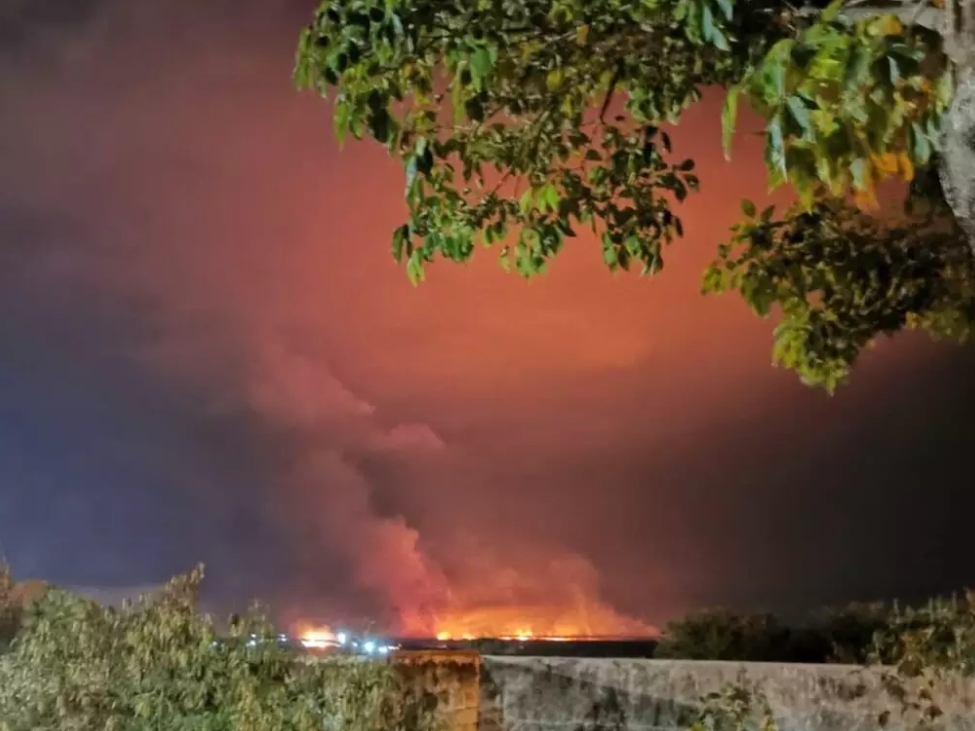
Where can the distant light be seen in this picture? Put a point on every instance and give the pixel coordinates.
(384, 649)
(318, 638)
(369, 647)
(443, 636)
(342, 638)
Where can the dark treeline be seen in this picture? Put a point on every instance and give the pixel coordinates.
(853, 634)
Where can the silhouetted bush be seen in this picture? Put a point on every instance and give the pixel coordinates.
(845, 635)
(724, 635)
(850, 635)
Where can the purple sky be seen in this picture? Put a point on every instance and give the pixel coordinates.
(207, 354)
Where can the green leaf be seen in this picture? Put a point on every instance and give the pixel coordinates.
(549, 198)
(832, 11)
(727, 8)
(775, 147)
(720, 40)
(708, 29)
(920, 146)
(773, 69)
(343, 113)
(414, 267)
(481, 64)
(400, 237)
(799, 113)
(748, 208)
(729, 119)
(860, 170)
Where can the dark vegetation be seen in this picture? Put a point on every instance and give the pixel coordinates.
(846, 635)
(70, 664)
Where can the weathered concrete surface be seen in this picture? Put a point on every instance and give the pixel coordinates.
(550, 694)
(453, 677)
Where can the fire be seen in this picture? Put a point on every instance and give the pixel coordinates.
(543, 623)
(317, 638)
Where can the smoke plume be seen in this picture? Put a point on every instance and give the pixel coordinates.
(166, 151)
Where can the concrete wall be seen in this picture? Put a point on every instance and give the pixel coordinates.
(454, 677)
(577, 694)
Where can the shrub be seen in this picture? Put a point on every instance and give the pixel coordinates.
(158, 665)
(851, 634)
(723, 635)
(847, 635)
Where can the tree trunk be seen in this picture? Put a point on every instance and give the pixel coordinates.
(958, 156)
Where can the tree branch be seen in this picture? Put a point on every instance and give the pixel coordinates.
(909, 13)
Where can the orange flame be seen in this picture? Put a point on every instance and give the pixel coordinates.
(316, 638)
(522, 624)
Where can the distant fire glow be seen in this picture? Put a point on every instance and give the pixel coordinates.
(522, 635)
(539, 623)
(317, 638)
(544, 600)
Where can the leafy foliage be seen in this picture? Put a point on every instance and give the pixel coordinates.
(519, 122)
(848, 104)
(735, 708)
(532, 142)
(938, 637)
(841, 278)
(159, 665)
(724, 635)
(853, 634)
(925, 647)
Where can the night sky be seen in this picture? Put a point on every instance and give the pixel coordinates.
(208, 354)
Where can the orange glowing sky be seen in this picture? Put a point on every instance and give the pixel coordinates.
(190, 262)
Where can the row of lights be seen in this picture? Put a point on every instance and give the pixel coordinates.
(324, 640)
